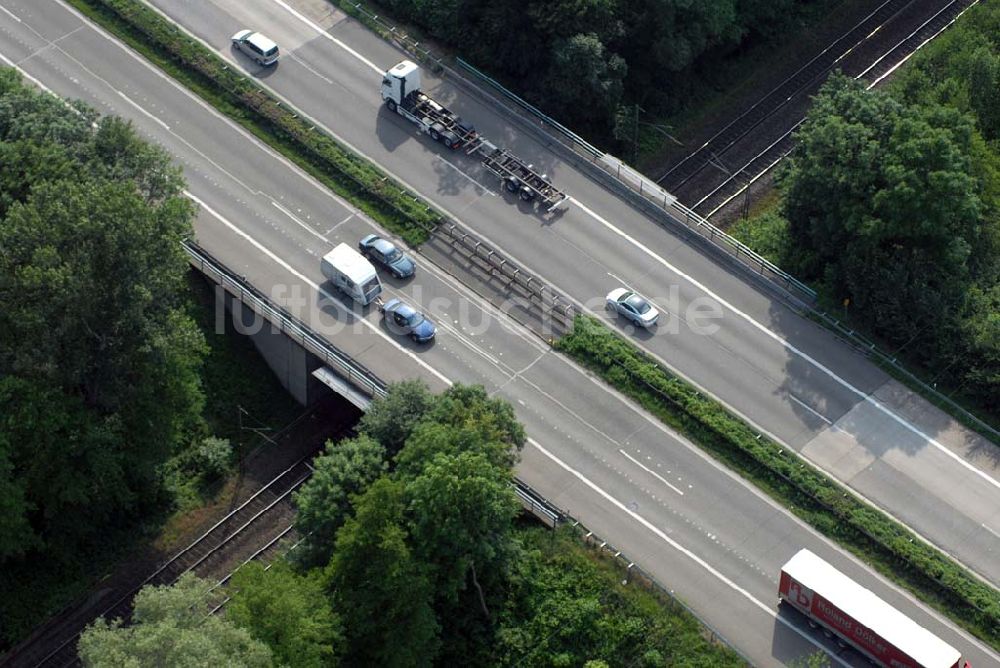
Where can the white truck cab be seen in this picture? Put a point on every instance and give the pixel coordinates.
(400, 81)
(352, 274)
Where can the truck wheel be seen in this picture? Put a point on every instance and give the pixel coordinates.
(391, 105)
(435, 135)
(527, 194)
(511, 184)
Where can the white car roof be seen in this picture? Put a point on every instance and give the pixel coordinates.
(263, 43)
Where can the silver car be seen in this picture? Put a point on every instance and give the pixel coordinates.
(260, 48)
(633, 306)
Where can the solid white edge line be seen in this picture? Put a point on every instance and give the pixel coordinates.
(325, 34)
(302, 277)
(141, 110)
(300, 223)
(325, 293)
(10, 14)
(680, 548)
(781, 341)
(864, 396)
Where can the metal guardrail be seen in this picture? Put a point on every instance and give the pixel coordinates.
(530, 108)
(657, 200)
(288, 324)
(532, 500)
(549, 300)
(353, 371)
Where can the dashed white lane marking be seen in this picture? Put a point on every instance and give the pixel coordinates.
(305, 226)
(458, 169)
(990, 530)
(659, 533)
(809, 408)
(329, 231)
(650, 471)
(864, 396)
(767, 332)
(311, 69)
(315, 26)
(315, 286)
(148, 115)
(437, 374)
(619, 279)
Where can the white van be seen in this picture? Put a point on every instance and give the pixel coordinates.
(352, 274)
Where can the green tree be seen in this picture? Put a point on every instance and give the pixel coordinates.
(984, 90)
(883, 208)
(464, 419)
(461, 510)
(390, 420)
(58, 449)
(211, 457)
(172, 626)
(344, 470)
(375, 575)
(584, 72)
(16, 534)
(99, 357)
(288, 612)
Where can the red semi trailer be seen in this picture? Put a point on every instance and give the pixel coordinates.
(859, 618)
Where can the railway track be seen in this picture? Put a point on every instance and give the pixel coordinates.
(728, 165)
(254, 530)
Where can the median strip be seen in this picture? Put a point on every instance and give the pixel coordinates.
(827, 506)
(812, 496)
(241, 99)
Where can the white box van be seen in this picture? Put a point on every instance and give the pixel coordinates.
(352, 274)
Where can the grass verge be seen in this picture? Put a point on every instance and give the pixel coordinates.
(242, 100)
(588, 578)
(818, 500)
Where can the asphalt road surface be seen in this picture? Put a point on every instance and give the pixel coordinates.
(785, 374)
(697, 528)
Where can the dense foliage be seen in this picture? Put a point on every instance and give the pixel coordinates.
(428, 565)
(173, 626)
(99, 360)
(893, 206)
(288, 612)
(580, 59)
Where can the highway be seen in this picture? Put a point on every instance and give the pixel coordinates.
(696, 527)
(786, 375)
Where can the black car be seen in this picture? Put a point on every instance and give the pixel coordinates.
(384, 252)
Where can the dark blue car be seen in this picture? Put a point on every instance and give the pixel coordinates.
(402, 318)
(384, 252)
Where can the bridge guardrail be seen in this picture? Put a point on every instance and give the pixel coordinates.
(283, 320)
(354, 372)
(531, 499)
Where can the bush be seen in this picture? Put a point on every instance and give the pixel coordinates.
(211, 458)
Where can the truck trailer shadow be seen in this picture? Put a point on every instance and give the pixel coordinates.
(793, 641)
